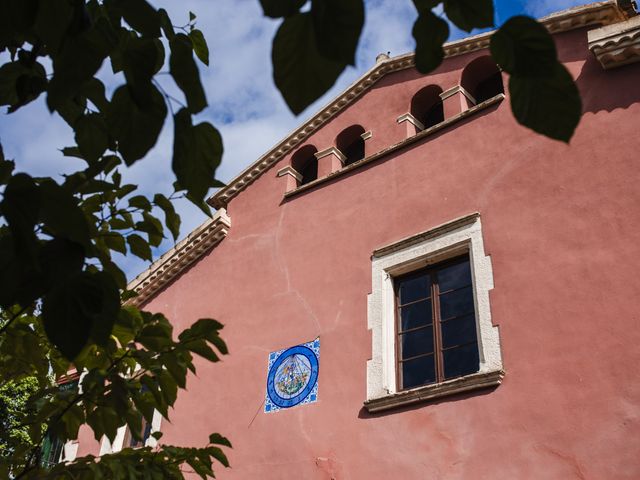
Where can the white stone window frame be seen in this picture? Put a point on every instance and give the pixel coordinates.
(455, 238)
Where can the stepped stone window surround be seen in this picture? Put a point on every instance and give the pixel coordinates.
(458, 237)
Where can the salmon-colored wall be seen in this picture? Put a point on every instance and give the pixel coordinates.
(562, 226)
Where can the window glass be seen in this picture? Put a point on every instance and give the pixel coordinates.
(436, 343)
(415, 315)
(456, 303)
(415, 287)
(454, 276)
(420, 371)
(461, 361)
(459, 331)
(417, 342)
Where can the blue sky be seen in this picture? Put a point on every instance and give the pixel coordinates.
(244, 104)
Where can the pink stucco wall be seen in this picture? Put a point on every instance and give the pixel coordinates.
(561, 224)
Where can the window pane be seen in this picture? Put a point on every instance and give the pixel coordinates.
(417, 342)
(456, 303)
(454, 276)
(459, 331)
(419, 371)
(415, 315)
(414, 288)
(461, 361)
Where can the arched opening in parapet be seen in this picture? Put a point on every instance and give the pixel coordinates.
(304, 162)
(351, 144)
(426, 106)
(482, 79)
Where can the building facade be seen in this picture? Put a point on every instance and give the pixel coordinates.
(468, 288)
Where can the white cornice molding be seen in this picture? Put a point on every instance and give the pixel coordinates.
(616, 45)
(180, 257)
(289, 170)
(600, 13)
(457, 89)
(331, 151)
(407, 117)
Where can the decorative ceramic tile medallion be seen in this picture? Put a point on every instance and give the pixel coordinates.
(293, 376)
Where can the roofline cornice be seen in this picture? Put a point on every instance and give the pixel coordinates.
(600, 13)
(179, 258)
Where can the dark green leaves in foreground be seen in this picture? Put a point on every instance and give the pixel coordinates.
(311, 49)
(470, 14)
(197, 151)
(430, 33)
(544, 96)
(85, 306)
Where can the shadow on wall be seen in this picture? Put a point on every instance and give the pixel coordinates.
(608, 89)
(363, 414)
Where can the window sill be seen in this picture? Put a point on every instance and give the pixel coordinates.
(475, 381)
(404, 143)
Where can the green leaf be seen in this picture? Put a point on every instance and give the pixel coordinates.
(300, 72)
(165, 23)
(185, 72)
(168, 387)
(201, 348)
(91, 135)
(192, 16)
(20, 84)
(281, 8)
(522, 46)
(21, 208)
(6, 169)
(470, 14)
(171, 218)
(217, 439)
(135, 127)
(155, 337)
(139, 247)
(338, 24)
(199, 45)
(62, 215)
(141, 16)
(430, 33)
(116, 242)
(83, 307)
(152, 227)
(52, 21)
(76, 64)
(94, 90)
(142, 58)
(547, 105)
(197, 152)
(141, 202)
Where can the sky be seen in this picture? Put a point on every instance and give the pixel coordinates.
(243, 101)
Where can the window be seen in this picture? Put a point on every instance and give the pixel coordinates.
(351, 144)
(436, 325)
(52, 450)
(429, 316)
(482, 79)
(305, 163)
(426, 106)
(145, 432)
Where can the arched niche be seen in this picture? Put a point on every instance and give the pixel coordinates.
(304, 161)
(426, 106)
(351, 144)
(482, 79)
